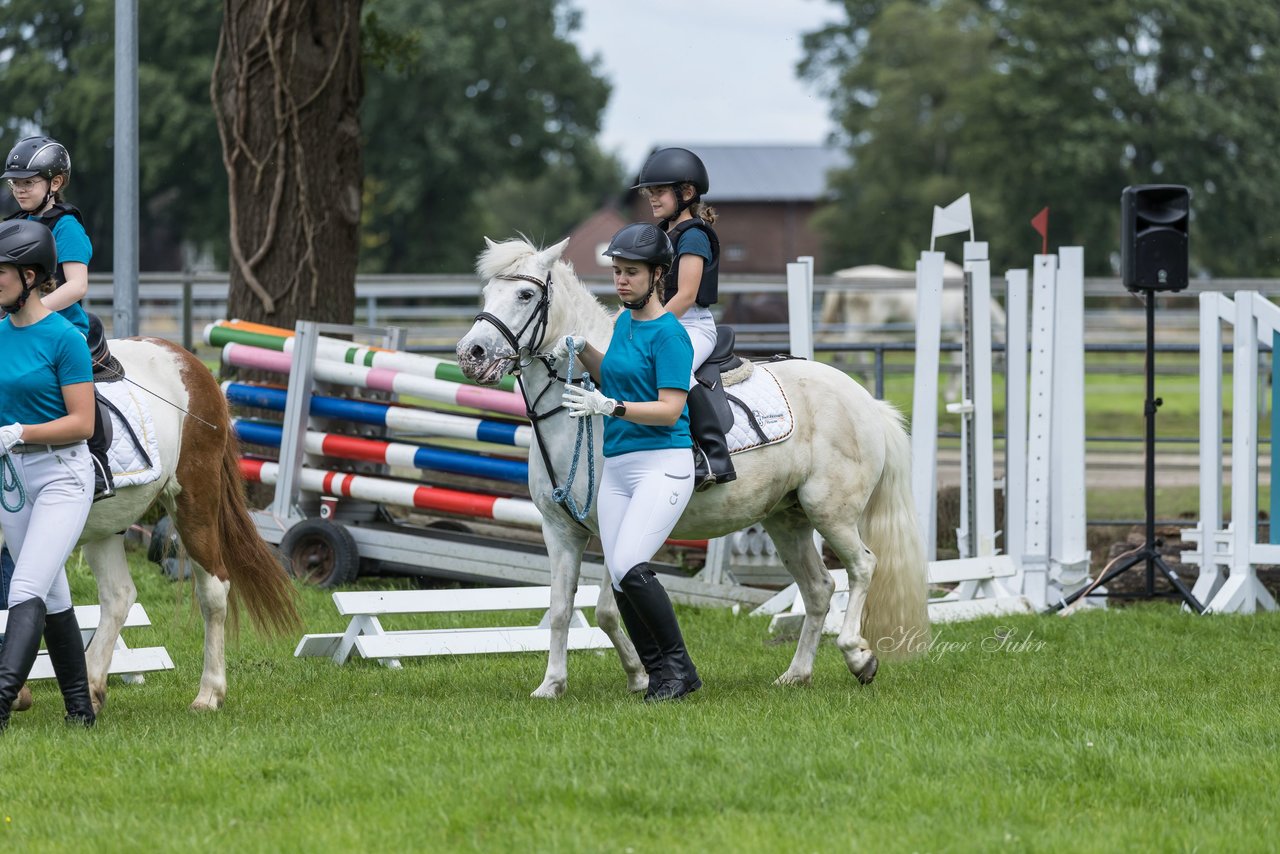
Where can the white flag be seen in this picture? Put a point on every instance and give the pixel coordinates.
(953, 219)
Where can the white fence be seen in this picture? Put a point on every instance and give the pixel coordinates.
(177, 305)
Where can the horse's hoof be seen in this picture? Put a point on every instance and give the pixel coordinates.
(207, 702)
(867, 671)
(548, 691)
(24, 700)
(638, 684)
(99, 698)
(790, 678)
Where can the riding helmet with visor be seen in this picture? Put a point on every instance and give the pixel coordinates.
(37, 155)
(25, 243)
(641, 241)
(674, 166)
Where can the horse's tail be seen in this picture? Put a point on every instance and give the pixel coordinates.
(258, 580)
(832, 308)
(896, 617)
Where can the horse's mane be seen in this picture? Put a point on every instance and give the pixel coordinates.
(505, 257)
(576, 313)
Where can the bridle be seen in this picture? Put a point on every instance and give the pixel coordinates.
(525, 354)
(541, 312)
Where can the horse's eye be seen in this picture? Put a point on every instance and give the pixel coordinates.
(525, 295)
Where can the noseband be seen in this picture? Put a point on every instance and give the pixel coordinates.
(524, 353)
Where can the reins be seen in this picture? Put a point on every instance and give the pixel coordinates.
(564, 495)
(10, 482)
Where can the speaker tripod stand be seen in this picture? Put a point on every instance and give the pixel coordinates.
(1149, 553)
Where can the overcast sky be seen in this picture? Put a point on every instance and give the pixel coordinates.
(742, 54)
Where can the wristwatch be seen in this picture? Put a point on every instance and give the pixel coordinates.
(619, 410)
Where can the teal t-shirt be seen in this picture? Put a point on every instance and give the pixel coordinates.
(38, 361)
(73, 244)
(694, 241)
(643, 357)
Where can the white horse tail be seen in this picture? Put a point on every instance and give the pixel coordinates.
(896, 616)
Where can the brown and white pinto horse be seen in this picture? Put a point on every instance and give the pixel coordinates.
(203, 492)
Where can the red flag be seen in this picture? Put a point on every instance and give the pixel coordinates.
(1040, 222)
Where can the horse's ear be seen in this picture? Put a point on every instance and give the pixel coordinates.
(552, 254)
(489, 244)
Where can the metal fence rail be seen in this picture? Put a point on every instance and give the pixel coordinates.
(439, 307)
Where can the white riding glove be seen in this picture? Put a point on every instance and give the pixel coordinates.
(581, 402)
(561, 350)
(10, 435)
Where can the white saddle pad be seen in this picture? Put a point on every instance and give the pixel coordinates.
(128, 466)
(763, 395)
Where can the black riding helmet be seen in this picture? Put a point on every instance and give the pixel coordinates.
(25, 243)
(641, 241)
(37, 155)
(674, 166)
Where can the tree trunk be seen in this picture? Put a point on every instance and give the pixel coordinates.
(286, 91)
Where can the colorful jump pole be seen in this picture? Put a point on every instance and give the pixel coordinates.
(401, 418)
(379, 379)
(223, 332)
(390, 453)
(386, 491)
(517, 511)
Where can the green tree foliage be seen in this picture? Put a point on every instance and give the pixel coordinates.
(473, 123)
(57, 77)
(1027, 103)
(478, 118)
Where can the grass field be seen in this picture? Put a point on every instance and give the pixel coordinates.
(1136, 729)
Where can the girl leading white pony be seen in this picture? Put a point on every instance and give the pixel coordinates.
(845, 472)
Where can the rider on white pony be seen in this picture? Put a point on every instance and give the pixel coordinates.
(674, 180)
(47, 407)
(648, 470)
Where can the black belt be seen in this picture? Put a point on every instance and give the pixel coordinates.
(24, 448)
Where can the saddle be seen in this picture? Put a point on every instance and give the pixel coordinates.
(106, 367)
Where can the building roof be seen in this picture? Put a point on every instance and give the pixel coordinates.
(767, 173)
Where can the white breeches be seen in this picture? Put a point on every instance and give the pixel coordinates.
(701, 326)
(42, 534)
(642, 495)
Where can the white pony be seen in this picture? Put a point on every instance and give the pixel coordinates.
(201, 487)
(890, 315)
(845, 471)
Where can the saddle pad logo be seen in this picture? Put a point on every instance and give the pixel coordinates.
(762, 395)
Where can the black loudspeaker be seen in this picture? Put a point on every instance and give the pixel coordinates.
(1153, 237)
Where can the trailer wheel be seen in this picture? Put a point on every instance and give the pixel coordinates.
(321, 553)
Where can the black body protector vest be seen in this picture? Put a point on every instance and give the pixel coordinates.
(709, 287)
(57, 212)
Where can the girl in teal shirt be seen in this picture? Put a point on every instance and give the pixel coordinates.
(648, 463)
(47, 411)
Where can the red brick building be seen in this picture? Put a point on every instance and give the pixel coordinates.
(765, 197)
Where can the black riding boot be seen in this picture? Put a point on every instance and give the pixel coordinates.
(712, 463)
(66, 653)
(642, 639)
(648, 597)
(21, 643)
(103, 484)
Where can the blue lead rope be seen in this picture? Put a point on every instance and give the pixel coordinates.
(10, 482)
(564, 494)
